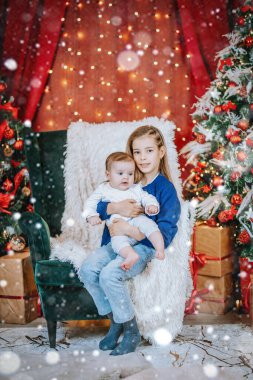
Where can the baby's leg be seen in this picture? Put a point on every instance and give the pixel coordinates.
(130, 255)
(156, 239)
(150, 229)
(121, 245)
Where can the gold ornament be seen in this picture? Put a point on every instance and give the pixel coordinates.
(26, 191)
(8, 151)
(5, 234)
(17, 243)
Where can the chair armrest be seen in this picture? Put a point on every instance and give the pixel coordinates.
(38, 234)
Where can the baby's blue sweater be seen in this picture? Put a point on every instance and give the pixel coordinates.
(167, 219)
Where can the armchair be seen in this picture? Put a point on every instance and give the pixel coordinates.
(62, 295)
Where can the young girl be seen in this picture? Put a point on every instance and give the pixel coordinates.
(101, 272)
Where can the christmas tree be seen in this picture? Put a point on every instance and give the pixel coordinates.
(14, 179)
(221, 181)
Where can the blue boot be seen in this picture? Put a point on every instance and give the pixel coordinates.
(111, 339)
(131, 338)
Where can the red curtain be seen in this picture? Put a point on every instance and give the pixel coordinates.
(31, 31)
(204, 24)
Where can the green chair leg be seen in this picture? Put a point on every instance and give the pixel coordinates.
(51, 328)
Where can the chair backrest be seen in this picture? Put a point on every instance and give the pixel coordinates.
(45, 161)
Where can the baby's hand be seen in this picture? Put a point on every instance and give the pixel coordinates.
(94, 220)
(152, 209)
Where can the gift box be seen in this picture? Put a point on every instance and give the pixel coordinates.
(246, 276)
(18, 292)
(212, 249)
(214, 241)
(216, 306)
(218, 287)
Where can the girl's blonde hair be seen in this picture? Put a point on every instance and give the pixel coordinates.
(147, 130)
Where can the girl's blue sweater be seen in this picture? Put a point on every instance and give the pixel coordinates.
(167, 219)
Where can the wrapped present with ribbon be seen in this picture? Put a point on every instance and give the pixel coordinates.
(18, 292)
(246, 277)
(219, 298)
(211, 264)
(216, 306)
(212, 250)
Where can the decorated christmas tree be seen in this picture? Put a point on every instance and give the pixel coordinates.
(14, 179)
(221, 180)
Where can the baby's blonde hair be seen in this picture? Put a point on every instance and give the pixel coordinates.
(147, 130)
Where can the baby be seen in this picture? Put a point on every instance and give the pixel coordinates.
(120, 170)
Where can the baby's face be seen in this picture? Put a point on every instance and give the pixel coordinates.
(121, 174)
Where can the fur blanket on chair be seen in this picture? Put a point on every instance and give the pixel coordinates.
(160, 292)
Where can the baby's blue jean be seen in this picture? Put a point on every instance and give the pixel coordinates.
(105, 280)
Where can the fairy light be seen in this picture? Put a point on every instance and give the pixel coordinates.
(120, 99)
(92, 98)
(109, 114)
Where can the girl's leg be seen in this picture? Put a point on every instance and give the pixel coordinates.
(89, 274)
(112, 280)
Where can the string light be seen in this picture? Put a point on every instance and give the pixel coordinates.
(127, 36)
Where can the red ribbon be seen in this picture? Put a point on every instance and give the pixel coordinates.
(195, 299)
(39, 311)
(19, 297)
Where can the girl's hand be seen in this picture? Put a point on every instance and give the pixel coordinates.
(127, 208)
(119, 227)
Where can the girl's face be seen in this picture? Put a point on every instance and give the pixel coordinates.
(147, 155)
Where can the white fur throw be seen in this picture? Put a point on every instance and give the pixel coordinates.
(160, 292)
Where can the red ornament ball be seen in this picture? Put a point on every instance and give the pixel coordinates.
(243, 124)
(232, 132)
(249, 142)
(3, 87)
(9, 133)
(234, 176)
(235, 139)
(201, 139)
(245, 8)
(217, 109)
(244, 237)
(223, 217)
(236, 199)
(241, 156)
(219, 155)
(248, 41)
(232, 84)
(241, 21)
(19, 144)
(217, 181)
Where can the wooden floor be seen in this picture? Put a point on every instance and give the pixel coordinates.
(193, 319)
